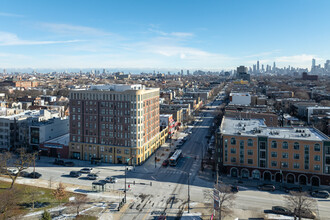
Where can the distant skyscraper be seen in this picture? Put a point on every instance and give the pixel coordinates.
(274, 67)
(313, 66)
(188, 72)
(254, 68)
(181, 72)
(258, 69)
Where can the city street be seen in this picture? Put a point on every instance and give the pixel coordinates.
(155, 190)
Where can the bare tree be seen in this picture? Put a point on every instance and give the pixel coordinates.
(18, 163)
(225, 199)
(60, 193)
(300, 203)
(8, 201)
(79, 200)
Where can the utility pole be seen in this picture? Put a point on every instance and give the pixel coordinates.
(125, 184)
(188, 192)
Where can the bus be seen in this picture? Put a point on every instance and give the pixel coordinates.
(175, 157)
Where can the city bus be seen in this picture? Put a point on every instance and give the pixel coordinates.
(175, 157)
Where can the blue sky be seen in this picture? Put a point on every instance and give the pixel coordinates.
(171, 34)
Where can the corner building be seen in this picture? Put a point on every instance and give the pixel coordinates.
(114, 123)
(249, 149)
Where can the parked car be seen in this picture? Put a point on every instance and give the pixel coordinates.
(111, 179)
(234, 189)
(281, 210)
(266, 187)
(35, 175)
(165, 163)
(12, 171)
(304, 213)
(320, 194)
(69, 164)
(24, 174)
(75, 174)
(86, 170)
(293, 188)
(92, 176)
(59, 162)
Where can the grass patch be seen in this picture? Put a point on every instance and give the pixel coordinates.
(25, 195)
(86, 217)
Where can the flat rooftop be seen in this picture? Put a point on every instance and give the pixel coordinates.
(257, 127)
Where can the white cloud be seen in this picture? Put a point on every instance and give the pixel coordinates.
(10, 39)
(5, 14)
(73, 29)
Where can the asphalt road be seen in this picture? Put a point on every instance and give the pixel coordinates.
(165, 189)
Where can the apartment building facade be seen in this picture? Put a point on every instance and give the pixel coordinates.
(115, 123)
(249, 149)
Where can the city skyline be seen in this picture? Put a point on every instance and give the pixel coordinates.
(155, 35)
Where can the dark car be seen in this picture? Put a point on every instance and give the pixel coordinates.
(24, 174)
(266, 187)
(59, 162)
(320, 194)
(165, 163)
(281, 210)
(234, 189)
(293, 189)
(69, 164)
(35, 175)
(75, 174)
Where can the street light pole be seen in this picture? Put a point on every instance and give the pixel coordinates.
(125, 184)
(188, 192)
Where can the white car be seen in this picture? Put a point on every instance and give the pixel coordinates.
(86, 170)
(12, 171)
(111, 179)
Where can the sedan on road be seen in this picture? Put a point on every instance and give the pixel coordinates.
(281, 210)
(35, 175)
(320, 194)
(86, 170)
(92, 176)
(165, 163)
(75, 174)
(266, 187)
(111, 179)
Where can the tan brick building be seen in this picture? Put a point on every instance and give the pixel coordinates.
(113, 123)
(249, 149)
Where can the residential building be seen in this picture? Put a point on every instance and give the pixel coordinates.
(249, 149)
(115, 123)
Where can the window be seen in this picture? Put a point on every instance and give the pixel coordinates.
(274, 144)
(232, 141)
(296, 165)
(250, 142)
(285, 145)
(102, 148)
(262, 163)
(285, 155)
(262, 154)
(317, 167)
(296, 156)
(285, 164)
(262, 145)
(250, 152)
(233, 150)
(250, 161)
(317, 158)
(233, 159)
(274, 154)
(241, 144)
(296, 146)
(126, 151)
(317, 147)
(274, 163)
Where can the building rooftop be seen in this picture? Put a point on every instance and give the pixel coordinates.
(257, 127)
(64, 139)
